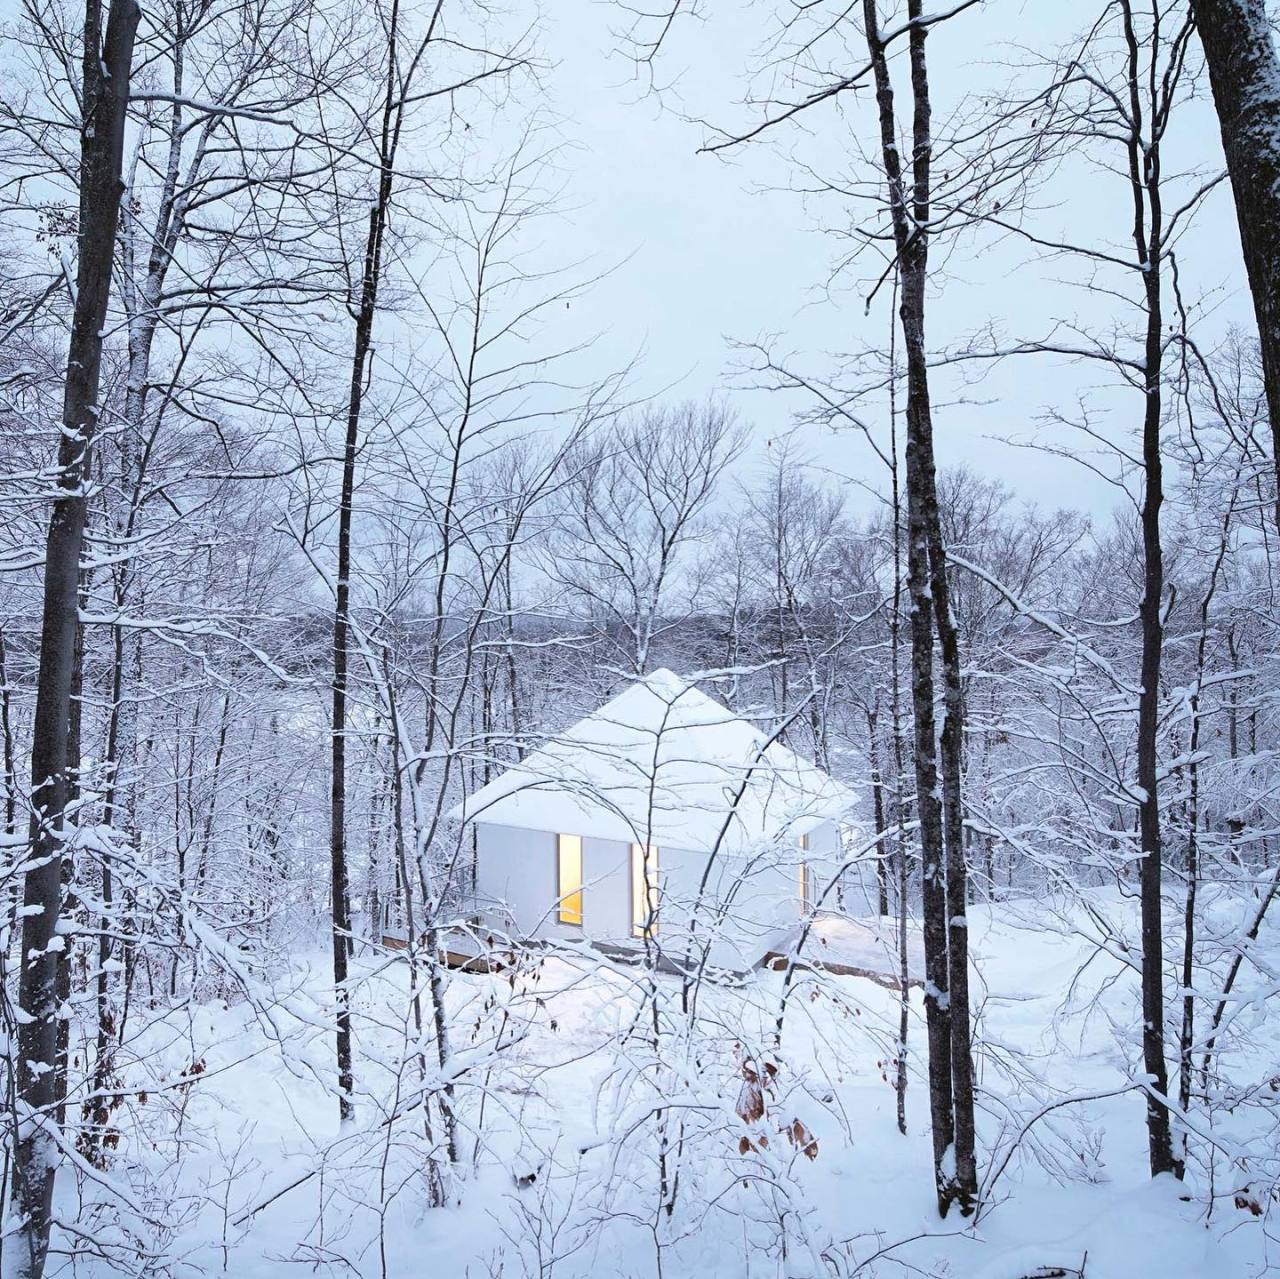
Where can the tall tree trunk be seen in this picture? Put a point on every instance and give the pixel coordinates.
(1148, 238)
(14, 895)
(951, 744)
(371, 275)
(951, 747)
(912, 266)
(878, 810)
(95, 1114)
(899, 736)
(941, 826)
(928, 803)
(1233, 709)
(108, 60)
(1152, 622)
(509, 635)
(6, 741)
(1244, 72)
(339, 886)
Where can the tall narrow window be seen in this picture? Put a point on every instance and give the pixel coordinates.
(644, 890)
(569, 858)
(806, 878)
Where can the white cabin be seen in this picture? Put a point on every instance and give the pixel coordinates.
(662, 822)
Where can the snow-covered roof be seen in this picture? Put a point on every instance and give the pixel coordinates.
(662, 763)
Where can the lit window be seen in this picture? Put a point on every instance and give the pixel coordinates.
(644, 890)
(569, 858)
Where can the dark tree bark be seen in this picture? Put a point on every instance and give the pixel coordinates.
(878, 809)
(1244, 72)
(951, 750)
(6, 741)
(1149, 246)
(108, 60)
(941, 833)
(366, 309)
(340, 887)
(900, 797)
(1152, 623)
(951, 741)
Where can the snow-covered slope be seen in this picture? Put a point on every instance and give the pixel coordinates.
(562, 1180)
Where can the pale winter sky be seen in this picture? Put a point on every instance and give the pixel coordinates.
(706, 250)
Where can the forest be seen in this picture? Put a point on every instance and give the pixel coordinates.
(387, 386)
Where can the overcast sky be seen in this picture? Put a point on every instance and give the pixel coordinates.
(705, 251)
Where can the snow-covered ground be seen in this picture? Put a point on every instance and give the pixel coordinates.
(866, 947)
(561, 1173)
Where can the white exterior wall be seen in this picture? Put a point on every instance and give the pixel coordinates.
(758, 899)
(854, 894)
(749, 905)
(517, 874)
(858, 892)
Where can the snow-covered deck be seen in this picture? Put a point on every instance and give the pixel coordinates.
(833, 943)
(854, 947)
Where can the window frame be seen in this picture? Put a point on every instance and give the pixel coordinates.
(807, 904)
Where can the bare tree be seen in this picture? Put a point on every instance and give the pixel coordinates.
(905, 193)
(405, 54)
(107, 65)
(632, 512)
(1119, 87)
(940, 814)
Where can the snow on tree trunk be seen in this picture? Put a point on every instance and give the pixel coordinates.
(108, 60)
(941, 832)
(1244, 72)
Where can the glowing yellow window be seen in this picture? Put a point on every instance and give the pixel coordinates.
(569, 858)
(644, 890)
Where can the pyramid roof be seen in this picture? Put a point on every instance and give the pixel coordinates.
(663, 763)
